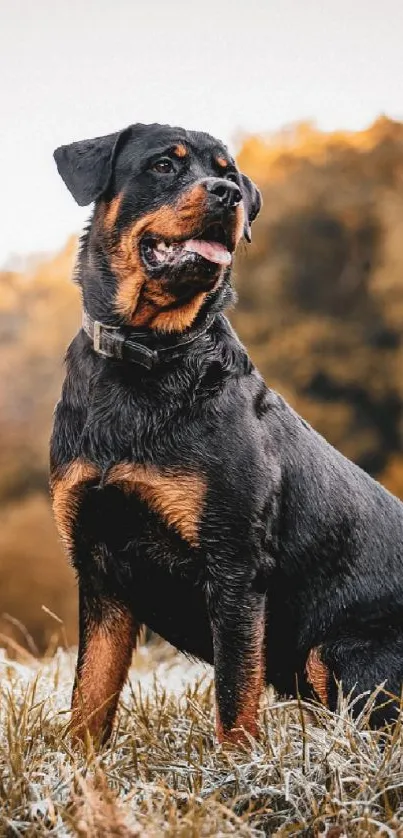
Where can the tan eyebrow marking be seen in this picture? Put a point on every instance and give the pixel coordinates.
(222, 162)
(180, 150)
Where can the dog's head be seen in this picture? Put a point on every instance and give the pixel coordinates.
(170, 210)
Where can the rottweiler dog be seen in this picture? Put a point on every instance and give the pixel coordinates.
(190, 497)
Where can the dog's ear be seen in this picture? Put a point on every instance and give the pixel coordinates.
(252, 198)
(86, 166)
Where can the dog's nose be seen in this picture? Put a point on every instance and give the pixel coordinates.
(227, 192)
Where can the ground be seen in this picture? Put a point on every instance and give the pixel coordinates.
(164, 774)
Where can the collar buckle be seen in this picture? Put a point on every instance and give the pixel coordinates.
(107, 341)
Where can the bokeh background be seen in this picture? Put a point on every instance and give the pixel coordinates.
(309, 98)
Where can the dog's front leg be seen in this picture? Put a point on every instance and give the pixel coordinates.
(237, 616)
(108, 634)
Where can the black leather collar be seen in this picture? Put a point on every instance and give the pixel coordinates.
(125, 344)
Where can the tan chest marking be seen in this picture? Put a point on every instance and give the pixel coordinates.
(177, 497)
(66, 488)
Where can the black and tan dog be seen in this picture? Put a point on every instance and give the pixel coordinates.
(189, 496)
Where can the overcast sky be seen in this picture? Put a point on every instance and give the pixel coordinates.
(71, 69)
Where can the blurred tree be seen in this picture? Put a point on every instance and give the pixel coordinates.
(39, 313)
(321, 297)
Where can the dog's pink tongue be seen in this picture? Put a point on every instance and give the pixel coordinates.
(213, 251)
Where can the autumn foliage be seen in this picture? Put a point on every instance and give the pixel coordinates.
(320, 310)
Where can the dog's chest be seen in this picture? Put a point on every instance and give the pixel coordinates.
(175, 495)
(112, 507)
(142, 531)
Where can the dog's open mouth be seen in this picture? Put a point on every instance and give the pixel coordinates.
(213, 245)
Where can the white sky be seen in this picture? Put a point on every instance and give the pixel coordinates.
(71, 69)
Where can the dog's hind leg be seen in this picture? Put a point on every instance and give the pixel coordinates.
(360, 664)
(108, 635)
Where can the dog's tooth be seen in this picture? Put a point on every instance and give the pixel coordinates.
(164, 247)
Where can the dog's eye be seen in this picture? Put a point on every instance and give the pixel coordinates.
(164, 166)
(232, 176)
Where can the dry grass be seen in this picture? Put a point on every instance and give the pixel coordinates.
(163, 773)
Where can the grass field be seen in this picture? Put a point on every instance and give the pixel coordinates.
(163, 774)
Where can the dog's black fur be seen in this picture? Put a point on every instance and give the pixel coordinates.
(265, 551)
